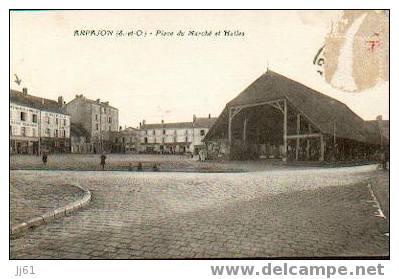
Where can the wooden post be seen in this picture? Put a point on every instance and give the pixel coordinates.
(308, 144)
(230, 135)
(244, 134)
(285, 131)
(334, 142)
(298, 128)
(321, 148)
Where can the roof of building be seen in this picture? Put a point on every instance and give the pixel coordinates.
(204, 122)
(322, 110)
(127, 131)
(89, 101)
(77, 130)
(200, 122)
(380, 126)
(35, 102)
(175, 125)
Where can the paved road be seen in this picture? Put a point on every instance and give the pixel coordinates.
(278, 213)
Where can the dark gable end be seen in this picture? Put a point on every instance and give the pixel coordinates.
(320, 109)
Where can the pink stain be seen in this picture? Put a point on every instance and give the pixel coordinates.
(373, 44)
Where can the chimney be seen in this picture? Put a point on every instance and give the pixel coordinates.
(140, 125)
(162, 121)
(194, 117)
(120, 128)
(379, 117)
(60, 101)
(143, 122)
(25, 91)
(209, 116)
(98, 101)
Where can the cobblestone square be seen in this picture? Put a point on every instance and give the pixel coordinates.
(281, 212)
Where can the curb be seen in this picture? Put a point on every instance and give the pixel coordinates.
(51, 215)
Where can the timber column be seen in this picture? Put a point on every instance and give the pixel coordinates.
(285, 131)
(230, 133)
(321, 158)
(298, 129)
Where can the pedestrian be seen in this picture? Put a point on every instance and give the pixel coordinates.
(103, 157)
(384, 160)
(44, 159)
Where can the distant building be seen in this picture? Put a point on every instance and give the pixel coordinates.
(38, 124)
(380, 127)
(174, 138)
(125, 141)
(98, 118)
(79, 139)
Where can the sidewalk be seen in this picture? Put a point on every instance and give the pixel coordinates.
(380, 185)
(32, 198)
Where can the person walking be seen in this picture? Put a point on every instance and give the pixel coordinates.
(44, 159)
(103, 158)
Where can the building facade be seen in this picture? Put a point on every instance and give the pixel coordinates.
(37, 124)
(98, 118)
(79, 139)
(125, 141)
(174, 138)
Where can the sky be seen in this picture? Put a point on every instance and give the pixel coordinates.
(172, 77)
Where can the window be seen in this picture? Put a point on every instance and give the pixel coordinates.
(63, 133)
(56, 133)
(123, 139)
(116, 140)
(202, 132)
(164, 132)
(23, 116)
(48, 119)
(186, 139)
(131, 139)
(48, 132)
(56, 121)
(34, 118)
(145, 140)
(109, 127)
(64, 122)
(96, 117)
(153, 132)
(23, 131)
(109, 119)
(96, 127)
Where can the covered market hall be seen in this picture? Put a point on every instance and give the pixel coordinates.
(276, 117)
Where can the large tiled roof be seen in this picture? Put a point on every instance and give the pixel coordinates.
(40, 103)
(322, 110)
